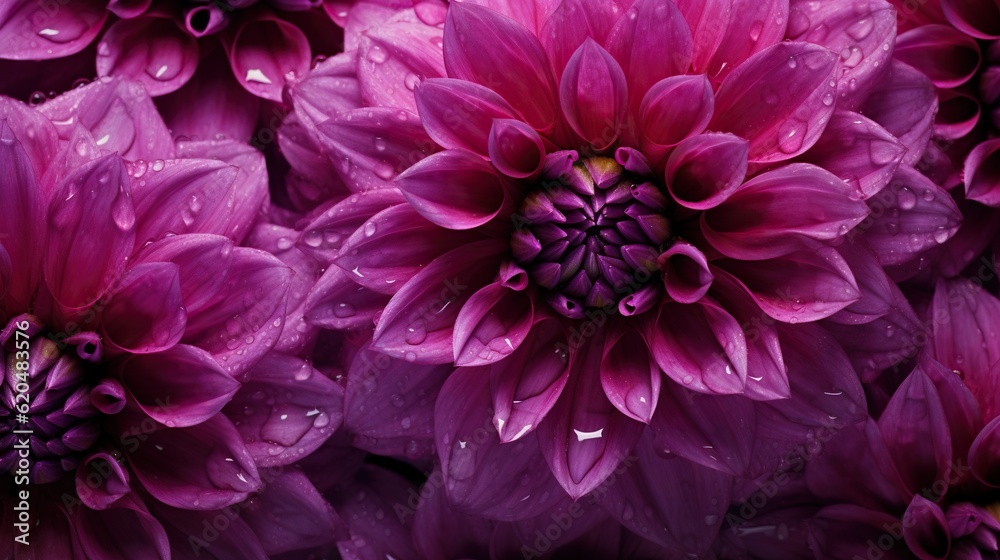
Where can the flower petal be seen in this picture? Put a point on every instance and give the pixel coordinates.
(31, 31)
(925, 529)
(330, 88)
(978, 18)
(773, 213)
(982, 173)
(92, 229)
(780, 122)
(335, 221)
(291, 515)
(100, 533)
(629, 376)
(674, 109)
(337, 302)
(112, 481)
(264, 50)
(515, 149)
(593, 94)
(149, 50)
(145, 312)
(237, 542)
(454, 189)
(181, 386)
(945, 55)
(487, 48)
(21, 232)
(571, 23)
(203, 262)
(458, 114)
(491, 325)
(526, 385)
(704, 170)
(728, 32)
(984, 452)
(904, 102)
(418, 322)
(685, 272)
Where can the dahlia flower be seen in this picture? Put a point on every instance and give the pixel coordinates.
(593, 219)
(143, 405)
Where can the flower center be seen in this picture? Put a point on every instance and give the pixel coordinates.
(590, 237)
(52, 403)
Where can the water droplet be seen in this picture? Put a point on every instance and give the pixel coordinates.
(344, 310)
(313, 238)
(792, 63)
(828, 99)
(37, 98)
(907, 199)
(755, 29)
(791, 134)
(941, 235)
(284, 244)
(861, 28)
(851, 56)
(406, 423)
(711, 519)
(377, 55)
(383, 171)
(158, 165)
(416, 333)
(370, 228)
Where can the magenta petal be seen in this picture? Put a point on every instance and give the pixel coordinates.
(201, 21)
(112, 481)
(335, 221)
(200, 467)
(858, 150)
(394, 56)
(673, 109)
(526, 385)
(503, 481)
(418, 322)
(30, 31)
(925, 529)
(982, 173)
(395, 244)
(710, 430)
(330, 88)
(454, 189)
(126, 9)
(264, 51)
(375, 144)
(593, 94)
(515, 149)
(570, 24)
(388, 404)
(909, 216)
(203, 262)
(862, 37)
(100, 533)
(487, 48)
(978, 18)
(651, 41)
(904, 102)
(958, 114)
(798, 287)
(491, 325)
(179, 387)
(244, 318)
(875, 286)
(629, 376)
(149, 50)
(584, 437)
(21, 232)
(726, 33)
(779, 122)
(984, 454)
(119, 115)
(145, 312)
(685, 272)
(92, 229)
(290, 514)
(700, 346)
(706, 169)
(459, 114)
(945, 55)
(36, 135)
(337, 302)
(646, 501)
(307, 407)
(915, 432)
(771, 214)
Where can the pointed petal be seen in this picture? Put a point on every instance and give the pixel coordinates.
(92, 229)
(982, 173)
(487, 48)
(904, 102)
(686, 275)
(149, 50)
(112, 481)
(418, 322)
(771, 214)
(651, 41)
(454, 189)
(370, 505)
(480, 474)
(874, 285)
(925, 529)
(330, 88)
(264, 50)
(526, 385)
(389, 404)
(571, 23)
(491, 325)
(145, 312)
(458, 114)
(674, 109)
(515, 149)
(337, 302)
(182, 386)
(100, 533)
(244, 319)
(21, 232)
(629, 376)
(307, 408)
(203, 262)
(945, 55)
(782, 122)
(728, 32)
(593, 94)
(704, 170)
(237, 542)
(334, 222)
(584, 437)
(395, 56)
(36, 135)
(291, 515)
(984, 452)
(439, 531)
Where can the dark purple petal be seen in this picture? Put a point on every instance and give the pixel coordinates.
(904, 102)
(369, 505)
(21, 232)
(337, 302)
(978, 18)
(100, 533)
(491, 325)
(291, 515)
(686, 275)
(982, 173)
(149, 50)
(264, 51)
(203, 263)
(440, 532)
(945, 55)
(515, 149)
(925, 530)
(145, 312)
(629, 376)
(780, 100)
(984, 454)
(32, 31)
(186, 530)
(101, 480)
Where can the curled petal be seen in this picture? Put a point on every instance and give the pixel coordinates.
(458, 114)
(454, 189)
(958, 114)
(925, 529)
(706, 169)
(779, 121)
(515, 149)
(904, 102)
(112, 481)
(984, 452)
(145, 312)
(149, 50)
(629, 376)
(982, 173)
(31, 31)
(491, 325)
(978, 18)
(945, 55)
(200, 21)
(685, 272)
(263, 51)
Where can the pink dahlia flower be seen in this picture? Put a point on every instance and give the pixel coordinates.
(604, 218)
(137, 337)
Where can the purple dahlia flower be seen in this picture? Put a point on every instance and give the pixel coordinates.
(611, 217)
(131, 318)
